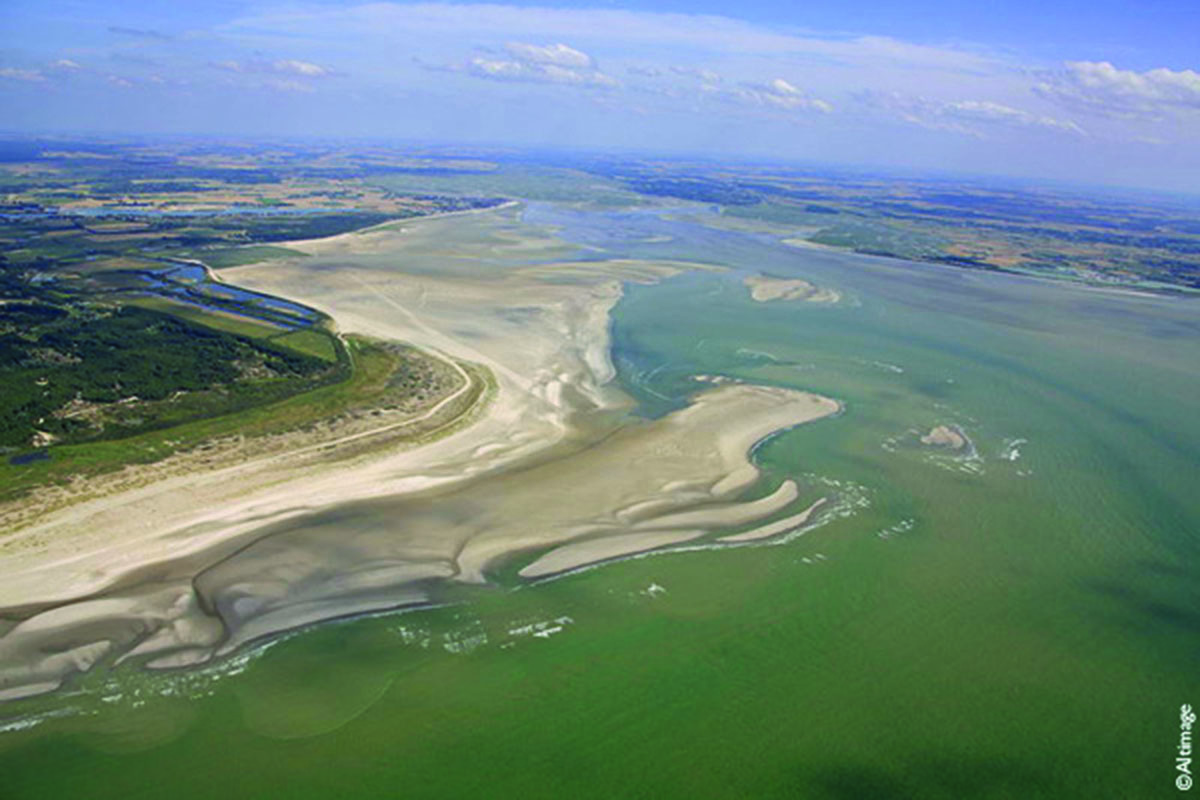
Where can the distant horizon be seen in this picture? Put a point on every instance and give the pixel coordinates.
(1084, 92)
(497, 148)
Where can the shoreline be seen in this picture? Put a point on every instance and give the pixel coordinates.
(175, 588)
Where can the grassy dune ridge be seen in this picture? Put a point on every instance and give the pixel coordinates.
(364, 371)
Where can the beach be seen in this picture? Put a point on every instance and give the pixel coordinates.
(174, 571)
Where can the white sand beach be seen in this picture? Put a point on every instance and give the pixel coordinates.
(199, 564)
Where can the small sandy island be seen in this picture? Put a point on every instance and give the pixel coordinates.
(764, 289)
(548, 471)
(950, 437)
(802, 241)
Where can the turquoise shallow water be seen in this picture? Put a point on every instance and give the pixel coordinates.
(1020, 622)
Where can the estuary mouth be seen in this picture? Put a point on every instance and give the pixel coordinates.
(524, 462)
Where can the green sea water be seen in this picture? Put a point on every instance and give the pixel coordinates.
(1018, 621)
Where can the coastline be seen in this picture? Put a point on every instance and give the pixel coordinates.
(164, 573)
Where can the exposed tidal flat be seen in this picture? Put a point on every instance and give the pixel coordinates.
(1012, 621)
(218, 560)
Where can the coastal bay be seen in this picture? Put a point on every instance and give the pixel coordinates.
(243, 563)
(1046, 558)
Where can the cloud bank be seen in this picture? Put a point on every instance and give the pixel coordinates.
(1099, 87)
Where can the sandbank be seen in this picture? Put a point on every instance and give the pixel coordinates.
(765, 289)
(591, 551)
(949, 436)
(775, 528)
(183, 569)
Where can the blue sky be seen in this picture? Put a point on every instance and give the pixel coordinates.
(1099, 91)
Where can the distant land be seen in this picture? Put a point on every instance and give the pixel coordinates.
(94, 201)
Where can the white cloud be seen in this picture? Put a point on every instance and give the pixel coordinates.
(559, 55)
(708, 85)
(65, 64)
(779, 94)
(30, 75)
(967, 117)
(1100, 87)
(524, 71)
(303, 69)
(704, 75)
(531, 63)
(987, 111)
(774, 99)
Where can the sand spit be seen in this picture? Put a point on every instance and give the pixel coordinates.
(179, 572)
(775, 528)
(591, 551)
(764, 289)
(731, 513)
(678, 473)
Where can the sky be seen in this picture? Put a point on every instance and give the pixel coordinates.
(1097, 91)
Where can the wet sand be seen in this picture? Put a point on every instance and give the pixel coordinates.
(948, 436)
(764, 289)
(591, 551)
(775, 528)
(197, 566)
